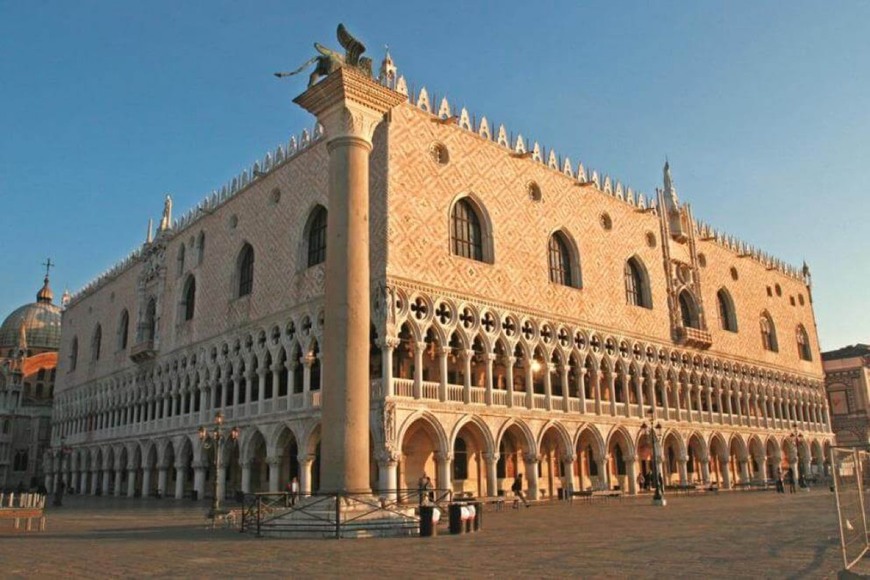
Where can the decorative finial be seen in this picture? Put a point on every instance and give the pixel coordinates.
(65, 299)
(388, 74)
(48, 266)
(149, 236)
(669, 190)
(166, 220)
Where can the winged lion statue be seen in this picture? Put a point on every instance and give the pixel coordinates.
(328, 61)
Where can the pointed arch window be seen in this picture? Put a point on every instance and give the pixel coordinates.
(148, 328)
(180, 265)
(74, 354)
(188, 303)
(637, 292)
(460, 459)
(563, 263)
(466, 233)
(727, 314)
(245, 271)
(97, 343)
(803, 343)
(316, 236)
(123, 329)
(200, 248)
(768, 333)
(688, 310)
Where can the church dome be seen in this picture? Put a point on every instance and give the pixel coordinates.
(40, 320)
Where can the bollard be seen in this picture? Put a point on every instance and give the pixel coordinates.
(427, 521)
(454, 511)
(478, 516)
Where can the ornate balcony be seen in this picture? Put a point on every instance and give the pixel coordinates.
(143, 351)
(693, 337)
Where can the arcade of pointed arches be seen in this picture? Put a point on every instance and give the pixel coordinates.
(439, 350)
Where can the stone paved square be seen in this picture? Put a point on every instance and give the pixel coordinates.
(726, 535)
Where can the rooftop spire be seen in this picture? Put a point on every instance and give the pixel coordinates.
(45, 295)
(166, 220)
(670, 190)
(388, 73)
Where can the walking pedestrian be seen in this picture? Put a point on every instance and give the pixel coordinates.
(517, 488)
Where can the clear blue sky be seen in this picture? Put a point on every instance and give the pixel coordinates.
(763, 109)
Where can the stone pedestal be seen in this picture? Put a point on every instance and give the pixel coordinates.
(349, 105)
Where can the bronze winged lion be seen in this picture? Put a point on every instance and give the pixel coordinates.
(328, 61)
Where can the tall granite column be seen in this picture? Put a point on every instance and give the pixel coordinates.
(349, 105)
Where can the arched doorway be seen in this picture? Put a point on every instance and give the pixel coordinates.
(589, 466)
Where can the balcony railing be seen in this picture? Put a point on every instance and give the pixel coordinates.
(143, 351)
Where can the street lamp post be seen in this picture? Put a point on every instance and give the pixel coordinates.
(215, 437)
(653, 433)
(59, 485)
(797, 439)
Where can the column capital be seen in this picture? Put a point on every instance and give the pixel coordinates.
(531, 457)
(490, 456)
(349, 104)
(273, 460)
(444, 456)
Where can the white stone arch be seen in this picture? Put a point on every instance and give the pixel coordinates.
(566, 442)
(477, 421)
(621, 432)
(429, 418)
(529, 437)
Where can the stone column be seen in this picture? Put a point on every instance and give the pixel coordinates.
(118, 479)
(131, 482)
(95, 481)
(146, 482)
(305, 462)
(488, 358)
(725, 471)
(466, 376)
(532, 460)
(261, 388)
(388, 474)
(530, 383)
(388, 346)
(491, 460)
(82, 487)
(274, 463)
(419, 347)
(744, 469)
(681, 468)
(306, 362)
(199, 469)
(106, 481)
(349, 105)
(161, 479)
(566, 387)
(705, 470)
(246, 475)
(631, 473)
(180, 476)
(547, 369)
(443, 465)
(509, 379)
(443, 353)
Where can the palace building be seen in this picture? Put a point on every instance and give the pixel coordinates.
(527, 315)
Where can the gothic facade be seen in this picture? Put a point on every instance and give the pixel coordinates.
(528, 315)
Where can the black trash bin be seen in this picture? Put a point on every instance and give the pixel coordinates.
(454, 511)
(561, 494)
(194, 495)
(427, 525)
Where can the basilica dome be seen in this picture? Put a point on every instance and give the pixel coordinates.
(41, 323)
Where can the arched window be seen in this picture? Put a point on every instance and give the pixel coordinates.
(637, 284)
(460, 459)
(123, 329)
(20, 461)
(74, 354)
(200, 248)
(148, 330)
(564, 267)
(466, 233)
(803, 343)
(316, 236)
(188, 303)
(180, 267)
(768, 333)
(688, 310)
(727, 314)
(96, 343)
(245, 269)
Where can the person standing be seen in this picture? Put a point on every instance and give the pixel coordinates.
(790, 479)
(294, 491)
(58, 493)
